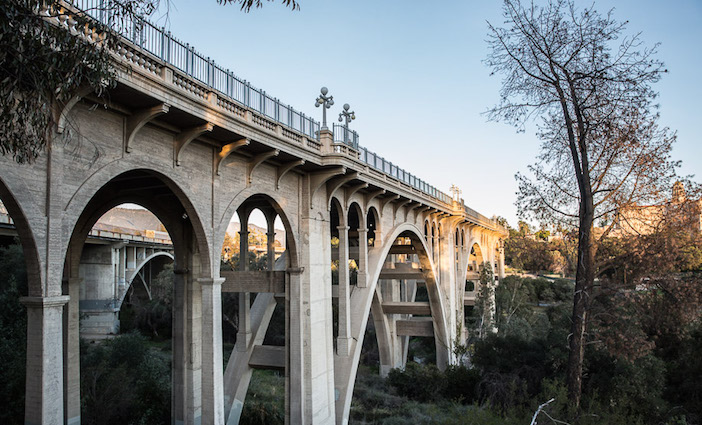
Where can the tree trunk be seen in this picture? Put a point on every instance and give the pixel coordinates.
(584, 279)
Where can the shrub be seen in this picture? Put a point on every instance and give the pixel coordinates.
(417, 382)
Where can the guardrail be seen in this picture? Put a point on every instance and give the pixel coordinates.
(343, 135)
(162, 44)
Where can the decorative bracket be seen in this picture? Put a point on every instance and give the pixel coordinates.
(258, 160)
(321, 177)
(399, 205)
(283, 170)
(139, 119)
(372, 195)
(413, 206)
(387, 200)
(334, 184)
(63, 115)
(229, 149)
(184, 138)
(353, 189)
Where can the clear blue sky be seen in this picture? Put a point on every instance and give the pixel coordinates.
(413, 73)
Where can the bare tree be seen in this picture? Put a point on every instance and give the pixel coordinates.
(589, 88)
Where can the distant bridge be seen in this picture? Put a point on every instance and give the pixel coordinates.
(194, 144)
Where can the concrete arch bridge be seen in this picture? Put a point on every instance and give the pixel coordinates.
(195, 145)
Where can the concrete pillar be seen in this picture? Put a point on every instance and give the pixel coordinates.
(362, 281)
(314, 314)
(187, 304)
(72, 352)
(212, 363)
(270, 242)
(501, 265)
(343, 340)
(243, 249)
(44, 382)
(243, 336)
(295, 373)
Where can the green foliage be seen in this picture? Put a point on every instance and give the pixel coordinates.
(265, 400)
(152, 317)
(13, 334)
(124, 381)
(44, 65)
(406, 382)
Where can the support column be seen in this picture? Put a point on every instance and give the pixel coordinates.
(295, 373)
(44, 384)
(243, 336)
(72, 352)
(270, 242)
(212, 363)
(343, 341)
(362, 281)
(501, 264)
(187, 364)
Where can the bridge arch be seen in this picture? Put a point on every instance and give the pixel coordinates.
(139, 267)
(278, 205)
(239, 370)
(164, 198)
(365, 300)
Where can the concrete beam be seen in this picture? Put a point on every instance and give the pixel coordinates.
(416, 308)
(253, 281)
(267, 357)
(284, 169)
(415, 327)
(402, 249)
(401, 274)
(469, 298)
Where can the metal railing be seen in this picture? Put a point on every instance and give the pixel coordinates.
(343, 135)
(162, 44)
(165, 46)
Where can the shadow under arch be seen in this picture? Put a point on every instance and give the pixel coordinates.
(35, 286)
(364, 300)
(164, 198)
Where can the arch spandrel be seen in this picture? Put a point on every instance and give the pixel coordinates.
(35, 276)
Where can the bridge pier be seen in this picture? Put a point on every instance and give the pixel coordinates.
(44, 397)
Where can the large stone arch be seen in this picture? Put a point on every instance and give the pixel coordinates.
(35, 281)
(362, 303)
(165, 198)
(84, 200)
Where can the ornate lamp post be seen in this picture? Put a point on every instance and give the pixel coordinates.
(346, 116)
(456, 193)
(325, 102)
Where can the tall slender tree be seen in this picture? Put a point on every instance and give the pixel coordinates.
(588, 86)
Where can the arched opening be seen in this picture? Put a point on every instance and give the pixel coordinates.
(126, 276)
(373, 226)
(142, 376)
(254, 304)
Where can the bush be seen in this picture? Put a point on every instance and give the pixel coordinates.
(461, 384)
(418, 382)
